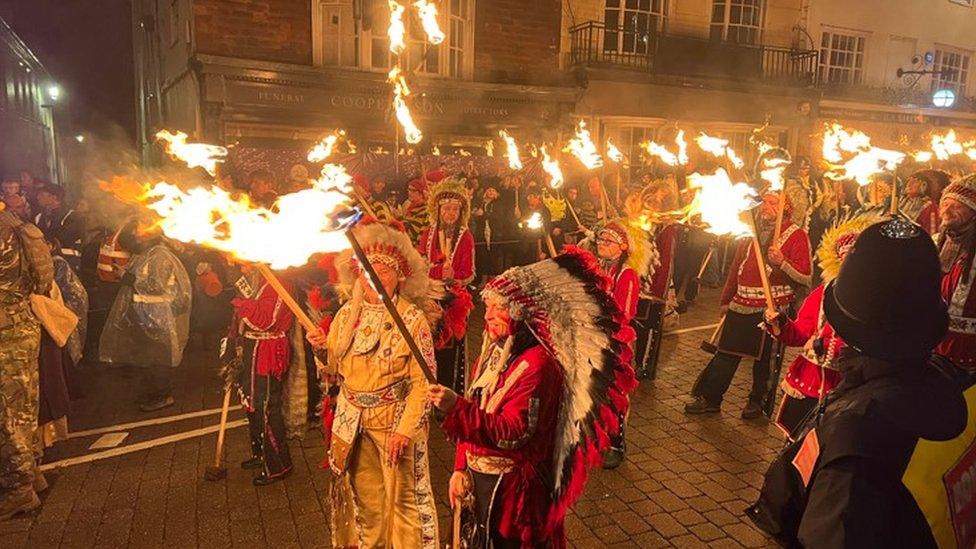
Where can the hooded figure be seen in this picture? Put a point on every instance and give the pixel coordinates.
(149, 322)
(851, 477)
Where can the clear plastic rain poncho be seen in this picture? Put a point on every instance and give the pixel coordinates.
(75, 298)
(150, 320)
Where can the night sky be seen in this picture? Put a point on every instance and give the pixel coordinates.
(86, 45)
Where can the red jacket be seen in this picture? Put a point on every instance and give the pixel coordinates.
(266, 320)
(626, 291)
(959, 345)
(665, 240)
(520, 427)
(804, 375)
(463, 259)
(743, 291)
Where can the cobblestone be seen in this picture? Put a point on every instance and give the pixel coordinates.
(685, 483)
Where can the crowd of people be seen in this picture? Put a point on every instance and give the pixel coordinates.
(578, 286)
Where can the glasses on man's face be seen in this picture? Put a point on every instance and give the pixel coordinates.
(605, 241)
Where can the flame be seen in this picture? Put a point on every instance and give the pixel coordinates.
(512, 151)
(195, 155)
(682, 147)
(773, 172)
(660, 151)
(490, 148)
(400, 92)
(428, 20)
(463, 152)
(534, 221)
(863, 160)
(719, 147)
(551, 167)
(436, 151)
(299, 225)
(583, 148)
(613, 153)
(946, 145)
(923, 156)
(971, 153)
(323, 149)
(397, 30)
(720, 203)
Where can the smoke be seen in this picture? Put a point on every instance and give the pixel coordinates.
(107, 171)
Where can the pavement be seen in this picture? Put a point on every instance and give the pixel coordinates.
(686, 481)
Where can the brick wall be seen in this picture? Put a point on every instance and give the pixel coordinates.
(517, 41)
(270, 30)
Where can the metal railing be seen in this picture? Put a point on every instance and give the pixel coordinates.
(593, 44)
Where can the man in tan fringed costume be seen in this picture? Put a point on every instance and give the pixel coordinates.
(381, 495)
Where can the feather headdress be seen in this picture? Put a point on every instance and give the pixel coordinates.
(837, 240)
(388, 246)
(445, 190)
(642, 254)
(564, 303)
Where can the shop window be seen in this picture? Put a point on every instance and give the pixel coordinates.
(841, 58)
(738, 21)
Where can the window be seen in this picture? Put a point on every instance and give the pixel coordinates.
(344, 37)
(841, 58)
(738, 21)
(631, 23)
(963, 2)
(954, 67)
(459, 32)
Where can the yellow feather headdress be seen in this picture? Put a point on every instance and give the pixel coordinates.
(837, 241)
(449, 188)
(642, 254)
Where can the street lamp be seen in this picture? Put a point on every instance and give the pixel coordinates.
(54, 93)
(944, 98)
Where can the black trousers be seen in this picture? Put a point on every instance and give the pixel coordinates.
(484, 491)
(264, 419)
(717, 376)
(450, 366)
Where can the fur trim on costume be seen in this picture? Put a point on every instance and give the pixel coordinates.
(564, 303)
(837, 241)
(449, 189)
(454, 320)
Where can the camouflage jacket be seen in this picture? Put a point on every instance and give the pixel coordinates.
(25, 260)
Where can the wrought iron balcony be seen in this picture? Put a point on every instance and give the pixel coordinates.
(593, 44)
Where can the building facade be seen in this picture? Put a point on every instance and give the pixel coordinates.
(277, 74)
(724, 67)
(864, 44)
(273, 75)
(26, 118)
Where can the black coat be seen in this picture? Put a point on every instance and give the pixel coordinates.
(867, 433)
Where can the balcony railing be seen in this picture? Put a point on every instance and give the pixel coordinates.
(592, 44)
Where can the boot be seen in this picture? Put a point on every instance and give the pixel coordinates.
(157, 404)
(18, 500)
(752, 410)
(40, 483)
(254, 462)
(702, 406)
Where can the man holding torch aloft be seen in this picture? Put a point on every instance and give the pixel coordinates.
(788, 264)
(379, 435)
